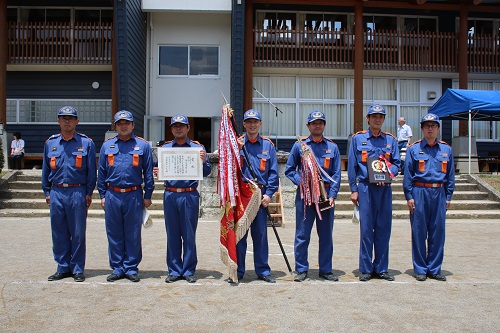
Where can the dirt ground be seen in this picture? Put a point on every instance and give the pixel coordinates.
(468, 302)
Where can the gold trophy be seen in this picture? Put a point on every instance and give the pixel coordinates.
(324, 203)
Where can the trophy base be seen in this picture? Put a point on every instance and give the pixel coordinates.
(324, 205)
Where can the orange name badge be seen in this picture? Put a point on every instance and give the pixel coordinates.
(326, 163)
(421, 165)
(53, 163)
(444, 166)
(111, 159)
(387, 155)
(135, 160)
(78, 161)
(364, 156)
(263, 162)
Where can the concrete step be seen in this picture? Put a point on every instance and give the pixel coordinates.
(340, 205)
(22, 193)
(209, 215)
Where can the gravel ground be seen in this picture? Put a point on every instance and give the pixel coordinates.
(468, 302)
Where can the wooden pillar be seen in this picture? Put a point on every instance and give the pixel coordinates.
(248, 57)
(358, 66)
(3, 62)
(463, 129)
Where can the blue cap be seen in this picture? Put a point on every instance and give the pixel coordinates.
(376, 108)
(67, 111)
(123, 115)
(252, 114)
(179, 119)
(430, 117)
(316, 115)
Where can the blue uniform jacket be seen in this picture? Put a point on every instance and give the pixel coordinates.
(365, 145)
(262, 155)
(326, 153)
(69, 162)
(125, 164)
(207, 167)
(429, 164)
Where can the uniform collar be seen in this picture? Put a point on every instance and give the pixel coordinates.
(370, 134)
(188, 142)
(310, 139)
(259, 139)
(425, 143)
(132, 137)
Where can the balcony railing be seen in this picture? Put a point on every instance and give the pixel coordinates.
(60, 43)
(383, 50)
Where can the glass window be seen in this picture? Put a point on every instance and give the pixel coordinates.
(204, 60)
(11, 14)
(189, 60)
(409, 90)
(82, 15)
(173, 60)
(58, 15)
(42, 111)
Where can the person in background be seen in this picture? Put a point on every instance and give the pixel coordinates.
(17, 150)
(404, 137)
(327, 155)
(264, 162)
(428, 184)
(68, 180)
(181, 207)
(374, 199)
(125, 163)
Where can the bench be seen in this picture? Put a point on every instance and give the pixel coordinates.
(343, 163)
(32, 160)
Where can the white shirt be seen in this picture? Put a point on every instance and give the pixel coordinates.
(404, 132)
(18, 146)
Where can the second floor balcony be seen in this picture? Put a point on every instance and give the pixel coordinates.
(59, 43)
(382, 50)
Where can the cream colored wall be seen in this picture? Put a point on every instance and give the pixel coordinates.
(195, 97)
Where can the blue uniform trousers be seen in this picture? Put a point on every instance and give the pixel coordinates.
(303, 229)
(402, 145)
(123, 214)
(181, 220)
(375, 215)
(428, 226)
(68, 219)
(258, 230)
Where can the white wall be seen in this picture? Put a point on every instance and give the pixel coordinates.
(202, 5)
(195, 97)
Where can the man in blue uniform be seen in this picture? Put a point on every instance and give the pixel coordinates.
(181, 207)
(125, 163)
(68, 180)
(428, 185)
(262, 156)
(374, 199)
(327, 154)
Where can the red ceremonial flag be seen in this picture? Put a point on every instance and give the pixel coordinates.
(239, 201)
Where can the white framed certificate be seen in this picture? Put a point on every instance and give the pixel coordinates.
(180, 163)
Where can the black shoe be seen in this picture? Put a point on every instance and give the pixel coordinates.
(268, 278)
(79, 277)
(239, 279)
(385, 276)
(59, 276)
(438, 277)
(133, 277)
(300, 276)
(190, 278)
(365, 277)
(114, 277)
(172, 278)
(420, 277)
(329, 276)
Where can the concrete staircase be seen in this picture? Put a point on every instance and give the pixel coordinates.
(21, 196)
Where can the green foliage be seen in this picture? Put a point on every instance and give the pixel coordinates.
(2, 158)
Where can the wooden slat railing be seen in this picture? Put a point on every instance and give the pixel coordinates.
(59, 43)
(383, 50)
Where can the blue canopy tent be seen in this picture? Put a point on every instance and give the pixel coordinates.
(461, 104)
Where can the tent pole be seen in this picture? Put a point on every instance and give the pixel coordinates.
(470, 136)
